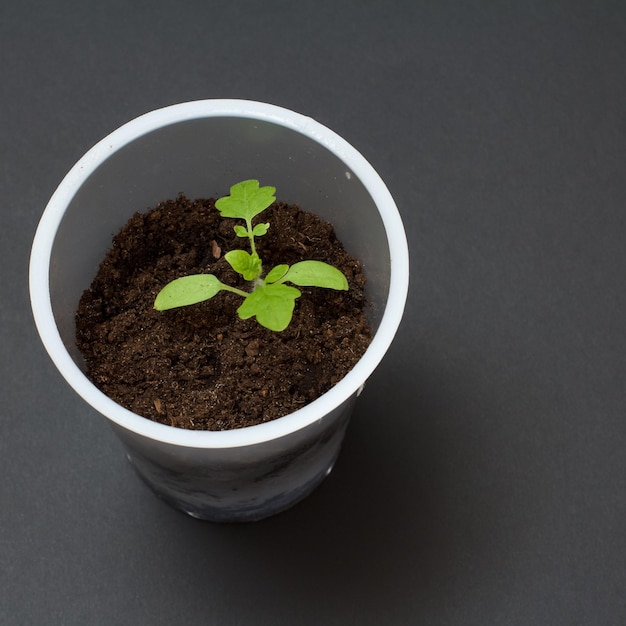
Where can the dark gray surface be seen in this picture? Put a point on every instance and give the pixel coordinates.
(483, 480)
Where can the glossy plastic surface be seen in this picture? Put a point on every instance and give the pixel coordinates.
(201, 148)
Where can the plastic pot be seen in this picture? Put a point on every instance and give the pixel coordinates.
(201, 148)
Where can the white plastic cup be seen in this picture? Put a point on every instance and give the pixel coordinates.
(201, 148)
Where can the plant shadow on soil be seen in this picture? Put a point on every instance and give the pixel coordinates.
(399, 517)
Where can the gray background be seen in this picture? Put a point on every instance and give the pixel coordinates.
(483, 479)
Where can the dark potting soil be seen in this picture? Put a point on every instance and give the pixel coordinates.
(201, 367)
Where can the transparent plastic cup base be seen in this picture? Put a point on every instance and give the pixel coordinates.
(234, 490)
(201, 148)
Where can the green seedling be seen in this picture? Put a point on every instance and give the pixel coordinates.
(270, 299)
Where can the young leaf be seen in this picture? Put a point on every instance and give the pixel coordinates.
(244, 263)
(276, 273)
(271, 304)
(315, 274)
(246, 200)
(260, 229)
(241, 231)
(187, 290)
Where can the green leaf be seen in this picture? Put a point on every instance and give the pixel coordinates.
(316, 274)
(246, 200)
(244, 263)
(241, 231)
(187, 290)
(260, 229)
(272, 305)
(276, 273)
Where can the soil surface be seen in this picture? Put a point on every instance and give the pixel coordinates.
(201, 367)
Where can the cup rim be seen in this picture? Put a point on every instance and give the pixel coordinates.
(346, 388)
